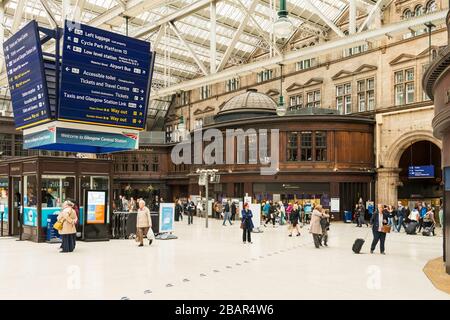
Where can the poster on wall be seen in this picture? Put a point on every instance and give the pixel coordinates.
(276, 197)
(335, 204)
(30, 217)
(96, 207)
(166, 217)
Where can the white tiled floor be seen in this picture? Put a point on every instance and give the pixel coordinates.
(273, 267)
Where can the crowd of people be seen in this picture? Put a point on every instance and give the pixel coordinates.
(382, 219)
(421, 216)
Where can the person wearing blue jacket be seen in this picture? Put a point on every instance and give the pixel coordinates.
(247, 224)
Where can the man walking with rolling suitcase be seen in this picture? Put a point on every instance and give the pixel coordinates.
(379, 218)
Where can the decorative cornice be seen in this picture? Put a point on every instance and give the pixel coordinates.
(361, 69)
(311, 82)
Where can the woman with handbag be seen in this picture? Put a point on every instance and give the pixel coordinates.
(143, 223)
(67, 218)
(380, 227)
(246, 224)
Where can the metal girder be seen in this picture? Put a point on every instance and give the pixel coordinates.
(319, 13)
(261, 31)
(2, 34)
(297, 12)
(18, 15)
(78, 10)
(132, 8)
(181, 13)
(50, 16)
(236, 36)
(212, 38)
(194, 55)
(375, 10)
(352, 17)
(293, 56)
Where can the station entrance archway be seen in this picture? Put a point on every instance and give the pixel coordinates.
(430, 189)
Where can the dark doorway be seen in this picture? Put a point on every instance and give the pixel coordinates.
(16, 183)
(422, 153)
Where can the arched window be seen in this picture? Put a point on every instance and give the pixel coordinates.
(407, 14)
(431, 6)
(418, 11)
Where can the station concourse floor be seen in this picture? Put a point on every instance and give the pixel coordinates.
(214, 264)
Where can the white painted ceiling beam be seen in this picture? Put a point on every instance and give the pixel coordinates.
(319, 13)
(374, 12)
(180, 14)
(78, 10)
(236, 36)
(262, 32)
(293, 56)
(194, 55)
(18, 15)
(48, 11)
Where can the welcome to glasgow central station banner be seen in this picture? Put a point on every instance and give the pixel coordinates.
(105, 78)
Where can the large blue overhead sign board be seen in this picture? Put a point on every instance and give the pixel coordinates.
(106, 78)
(421, 172)
(25, 70)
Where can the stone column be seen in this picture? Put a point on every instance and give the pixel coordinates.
(387, 183)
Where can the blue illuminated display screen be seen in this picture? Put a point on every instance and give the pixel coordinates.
(421, 172)
(105, 78)
(26, 77)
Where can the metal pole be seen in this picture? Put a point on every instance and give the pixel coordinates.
(207, 202)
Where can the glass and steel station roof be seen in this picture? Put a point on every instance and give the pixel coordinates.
(180, 30)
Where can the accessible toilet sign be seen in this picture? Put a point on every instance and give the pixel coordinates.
(106, 78)
(27, 83)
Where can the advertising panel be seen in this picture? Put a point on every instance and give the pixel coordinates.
(96, 207)
(335, 204)
(256, 211)
(30, 216)
(166, 217)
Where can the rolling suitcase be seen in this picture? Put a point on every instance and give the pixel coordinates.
(357, 245)
(411, 227)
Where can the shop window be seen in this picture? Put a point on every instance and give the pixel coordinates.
(321, 145)
(4, 198)
(306, 146)
(292, 146)
(57, 189)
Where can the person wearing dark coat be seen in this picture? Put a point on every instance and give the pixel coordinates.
(378, 220)
(247, 224)
(178, 211)
(294, 217)
(233, 210)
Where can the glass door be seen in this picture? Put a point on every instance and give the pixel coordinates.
(16, 205)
